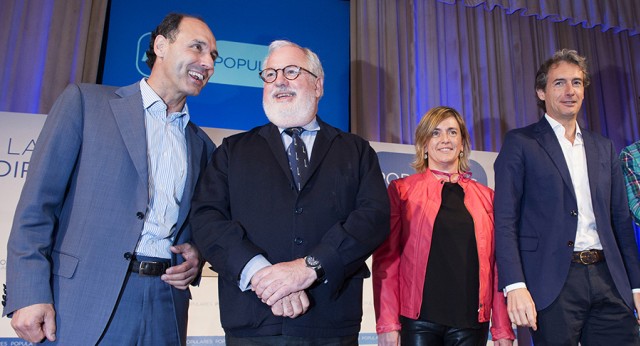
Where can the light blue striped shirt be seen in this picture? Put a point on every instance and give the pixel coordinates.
(167, 165)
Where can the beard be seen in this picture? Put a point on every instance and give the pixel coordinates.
(300, 112)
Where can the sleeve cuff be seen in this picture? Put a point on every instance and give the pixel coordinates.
(514, 286)
(253, 266)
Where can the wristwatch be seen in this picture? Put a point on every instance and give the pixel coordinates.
(313, 263)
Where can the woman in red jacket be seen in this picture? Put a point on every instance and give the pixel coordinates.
(439, 217)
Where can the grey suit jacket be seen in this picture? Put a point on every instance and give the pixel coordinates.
(82, 209)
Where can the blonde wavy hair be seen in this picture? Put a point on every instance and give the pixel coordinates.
(424, 132)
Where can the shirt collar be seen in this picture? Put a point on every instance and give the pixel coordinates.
(559, 130)
(151, 99)
(310, 127)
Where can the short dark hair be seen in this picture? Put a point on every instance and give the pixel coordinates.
(566, 55)
(167, 28)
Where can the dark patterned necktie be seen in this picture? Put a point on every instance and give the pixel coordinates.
(298, 158)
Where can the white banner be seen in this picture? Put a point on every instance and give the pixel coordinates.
(18, 134)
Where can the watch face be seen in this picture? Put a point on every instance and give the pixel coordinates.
(311, 261)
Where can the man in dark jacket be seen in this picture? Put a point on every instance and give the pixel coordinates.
(287, 214)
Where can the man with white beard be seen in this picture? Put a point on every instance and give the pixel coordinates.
(287, 213)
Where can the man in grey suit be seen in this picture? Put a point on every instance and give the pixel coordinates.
(100, 251)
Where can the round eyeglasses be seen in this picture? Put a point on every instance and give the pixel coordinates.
(291, 72)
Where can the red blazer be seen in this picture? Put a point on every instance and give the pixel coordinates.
(400, 264)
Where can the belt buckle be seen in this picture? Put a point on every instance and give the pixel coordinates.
(587, 257)
(147, 268)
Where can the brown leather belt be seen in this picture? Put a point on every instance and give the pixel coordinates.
(588, 256)
(149, 268)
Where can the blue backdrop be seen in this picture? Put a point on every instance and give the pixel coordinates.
(243, 30)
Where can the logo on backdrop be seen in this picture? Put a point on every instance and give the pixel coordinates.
(395, 165)
(238, 64)
(12, 164)
(141, 55)
(398, 165)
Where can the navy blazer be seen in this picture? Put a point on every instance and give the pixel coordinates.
(82, 208)
(247, 204)
(536, 213)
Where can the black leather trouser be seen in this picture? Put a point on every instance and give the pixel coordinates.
(420, 333)
(284, 340)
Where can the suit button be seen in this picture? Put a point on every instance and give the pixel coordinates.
(570, 243)
(574, 213)
(298, 241)
(298, 210)
(128, 255)
(140, 215)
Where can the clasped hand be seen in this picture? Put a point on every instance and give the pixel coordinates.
(282, 285)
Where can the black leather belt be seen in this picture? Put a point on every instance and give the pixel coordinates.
(149, 268)
(588, 256)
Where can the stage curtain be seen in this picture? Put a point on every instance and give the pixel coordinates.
(48, 44)
(411, 55)
(617, 15)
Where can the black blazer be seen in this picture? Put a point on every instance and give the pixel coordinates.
(246, 204)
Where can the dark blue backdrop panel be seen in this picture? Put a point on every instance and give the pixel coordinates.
(243, 30)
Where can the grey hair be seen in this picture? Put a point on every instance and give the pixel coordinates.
(315, 65)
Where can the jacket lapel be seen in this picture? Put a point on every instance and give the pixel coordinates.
(593, 163)
(194, 158)
(321, 147)
(549, 142)
(272, 136)
(129, 114)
